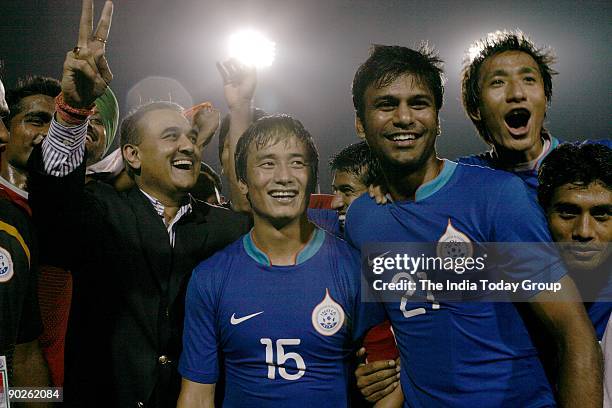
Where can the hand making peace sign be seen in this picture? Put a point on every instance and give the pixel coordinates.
(86, 73)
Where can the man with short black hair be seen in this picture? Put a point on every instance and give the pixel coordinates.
(31, 106)
(397, 95)
(131, 253)
(20, 323)
(282, 305)
(575, 192)
(354, 169)
(506, 90)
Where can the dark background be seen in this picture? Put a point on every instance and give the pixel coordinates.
(319, 44)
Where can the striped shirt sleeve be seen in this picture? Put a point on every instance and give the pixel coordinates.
(64, 148)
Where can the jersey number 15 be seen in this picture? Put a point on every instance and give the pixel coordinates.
(282, 357)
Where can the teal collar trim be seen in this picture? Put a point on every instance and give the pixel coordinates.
(311, 248)
(433, 186)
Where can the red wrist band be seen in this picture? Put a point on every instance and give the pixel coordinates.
(60, 103)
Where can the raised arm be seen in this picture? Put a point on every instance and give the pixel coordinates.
(85, 76)
(239, 83)
(57, 170)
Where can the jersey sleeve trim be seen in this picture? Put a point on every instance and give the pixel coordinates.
(12, 231)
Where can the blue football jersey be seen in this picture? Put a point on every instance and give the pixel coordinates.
(326, 219)
(286, 334)
(464, 354)
(528, 175)
(598, 314)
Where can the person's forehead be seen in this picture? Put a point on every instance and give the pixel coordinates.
(158, 120)
(37, 103)
(286, 145)
(595, 193)
(345, 178)
(405, 85)
(508, 61)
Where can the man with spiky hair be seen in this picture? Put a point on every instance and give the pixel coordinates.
(506, 90)
(462, 353)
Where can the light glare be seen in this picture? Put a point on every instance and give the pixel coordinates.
(252, 48)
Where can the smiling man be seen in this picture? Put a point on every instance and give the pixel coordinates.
(158, 235)
(131, 253)
(280, 308)
(506, 90)
(31, 107)
(354, 169)
(20, 324)
(576, 194)
(461, 353)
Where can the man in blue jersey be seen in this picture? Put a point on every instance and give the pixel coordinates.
(280, 308)
(461, 353)
(576, 193)
(506, 89)
(354, 169)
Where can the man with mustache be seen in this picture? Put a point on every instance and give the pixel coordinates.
(31, 108)
(131, 253)
(575, 191)
(20, 323)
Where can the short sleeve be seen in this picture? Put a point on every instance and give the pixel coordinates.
(522, 236)
(366, 314)
(199, 361)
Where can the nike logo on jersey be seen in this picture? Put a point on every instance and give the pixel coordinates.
(237, 320)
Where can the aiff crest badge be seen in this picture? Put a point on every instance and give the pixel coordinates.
(327, 316)
(6, 265)
(454, 244)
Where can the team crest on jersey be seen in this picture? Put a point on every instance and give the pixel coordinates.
(6, 265)
(454, 244)
(327, 316)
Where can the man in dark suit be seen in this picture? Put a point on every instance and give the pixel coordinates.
(131, 253)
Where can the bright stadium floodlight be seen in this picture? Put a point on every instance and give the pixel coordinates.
(252, 48)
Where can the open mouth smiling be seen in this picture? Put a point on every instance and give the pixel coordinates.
(403, 138)
(283, 195)
(517, 120)
(183, 164)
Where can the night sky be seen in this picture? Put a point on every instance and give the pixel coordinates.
(319, 45)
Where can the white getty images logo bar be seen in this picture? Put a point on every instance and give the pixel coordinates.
(234, 321)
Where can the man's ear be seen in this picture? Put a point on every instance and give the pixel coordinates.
(131, 154)
(244, 189)
(475, 115)
(359, 128)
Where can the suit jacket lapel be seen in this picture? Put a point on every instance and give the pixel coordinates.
(191, 236)
(154, 239)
